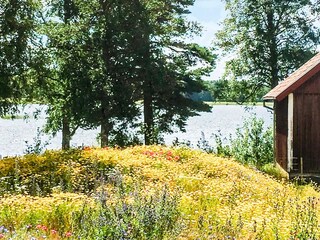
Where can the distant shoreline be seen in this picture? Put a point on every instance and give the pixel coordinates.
(235, 103)
(21, 116)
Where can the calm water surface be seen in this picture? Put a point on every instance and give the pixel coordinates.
(225, 118)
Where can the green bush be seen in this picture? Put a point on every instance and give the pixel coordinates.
(252, 144)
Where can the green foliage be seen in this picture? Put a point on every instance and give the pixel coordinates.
(64, 80)
(170, 68)
(123, 136)
(37, 146)
(17, 37)
(218, 89)
(204, 144)
(224, 90)
(252, 144)
(273, 170)
(268, 40)
(222, 149)
(14, 116)
(92, 61)
(107, 56)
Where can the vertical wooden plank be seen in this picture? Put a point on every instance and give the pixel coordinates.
(298, 120)
(307, 125)
(290, 133)
(281, 132)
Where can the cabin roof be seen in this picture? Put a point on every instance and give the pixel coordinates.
(295, 80)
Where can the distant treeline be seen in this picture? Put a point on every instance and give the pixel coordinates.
(228, 91)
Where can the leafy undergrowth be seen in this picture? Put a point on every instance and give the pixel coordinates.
(149, 193)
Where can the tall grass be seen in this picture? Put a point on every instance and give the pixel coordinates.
(150, 192)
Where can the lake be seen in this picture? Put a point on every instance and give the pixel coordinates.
(224, 118)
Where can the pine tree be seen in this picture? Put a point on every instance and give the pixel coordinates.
(166, 63)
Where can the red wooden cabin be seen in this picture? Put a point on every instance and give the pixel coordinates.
(297, 120)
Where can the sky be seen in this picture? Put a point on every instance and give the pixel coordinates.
(209, 13)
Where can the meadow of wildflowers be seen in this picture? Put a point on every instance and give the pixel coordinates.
(153, 192)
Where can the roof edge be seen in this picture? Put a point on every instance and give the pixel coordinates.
(295, 80)
(266, 97)
(298, 83)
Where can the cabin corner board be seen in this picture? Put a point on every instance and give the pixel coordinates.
(290, 132)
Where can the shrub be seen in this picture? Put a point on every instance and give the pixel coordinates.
(38, 145)
(274, 170)
(252, 144)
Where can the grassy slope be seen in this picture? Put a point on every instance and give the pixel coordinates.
(228, 198)
(220, 198)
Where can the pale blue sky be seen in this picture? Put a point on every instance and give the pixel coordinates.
(209, 13)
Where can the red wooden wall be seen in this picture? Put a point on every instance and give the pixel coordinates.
(306, 120)
(281, 132)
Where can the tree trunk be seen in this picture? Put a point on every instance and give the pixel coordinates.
(105, 125)
(66, 133)
(148, 112)
(104, 122)
(273, 61)
(149, 137)
(104, 135)
(146, 76)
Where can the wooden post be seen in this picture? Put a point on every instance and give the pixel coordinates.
(290, 132)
